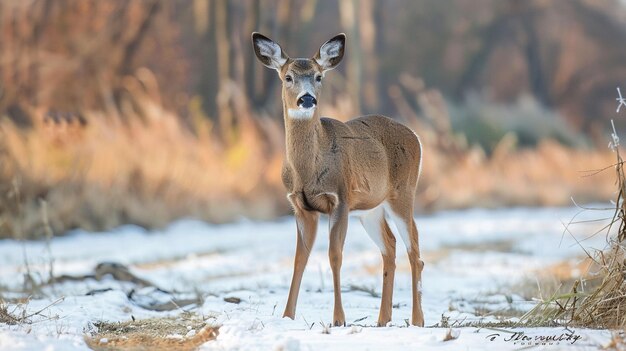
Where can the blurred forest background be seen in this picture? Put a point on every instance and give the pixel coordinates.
(143, 111)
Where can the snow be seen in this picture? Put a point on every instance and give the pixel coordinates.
(253, 261)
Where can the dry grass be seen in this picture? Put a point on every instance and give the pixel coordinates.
(15, 312)
(186, 332)
(140, 165)
(12, 316)
(106, 172)
(546, 176)
(370, 290)
(603, 305)
(557, 278)
(445, 322)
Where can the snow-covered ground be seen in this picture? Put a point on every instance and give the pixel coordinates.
(472, 259)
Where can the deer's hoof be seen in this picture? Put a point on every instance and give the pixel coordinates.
(289, 315)
(383, 323)
(339, 323)
(418, 321)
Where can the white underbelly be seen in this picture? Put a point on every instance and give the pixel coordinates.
(371, 221)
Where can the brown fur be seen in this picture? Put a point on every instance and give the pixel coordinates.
(333, 167)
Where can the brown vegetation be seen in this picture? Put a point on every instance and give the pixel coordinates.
(104, 176)
(147, 111)
(152, 334)
(605, 306)
(104, 173)
(598, 299)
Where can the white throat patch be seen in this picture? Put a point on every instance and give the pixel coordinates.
(300, 113)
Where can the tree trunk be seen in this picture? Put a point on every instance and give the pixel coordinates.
(370, 56)
(223, 65)
(349, 21)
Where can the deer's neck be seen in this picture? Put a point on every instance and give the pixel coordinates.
(302, 143)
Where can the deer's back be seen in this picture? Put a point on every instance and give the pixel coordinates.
(384, 157)
(402, 146)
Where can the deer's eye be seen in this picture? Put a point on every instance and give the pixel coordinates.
(288, 79)
(318, 79)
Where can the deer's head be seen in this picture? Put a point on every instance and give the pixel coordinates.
(301, 77)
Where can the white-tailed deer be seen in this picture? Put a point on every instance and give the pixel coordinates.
(370, 163)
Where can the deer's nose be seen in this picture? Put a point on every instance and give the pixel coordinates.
(307, 101)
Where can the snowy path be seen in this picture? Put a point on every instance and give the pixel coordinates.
(471, 257)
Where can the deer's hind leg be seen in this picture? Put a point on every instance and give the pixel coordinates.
(401, 211)
(377, 228)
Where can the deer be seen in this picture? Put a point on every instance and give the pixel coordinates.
(368, 166)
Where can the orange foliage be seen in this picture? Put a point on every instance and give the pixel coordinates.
(97, 172)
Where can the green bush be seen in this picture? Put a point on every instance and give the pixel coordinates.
(485, 123)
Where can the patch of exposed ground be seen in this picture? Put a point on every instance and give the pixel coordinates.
(185, 332)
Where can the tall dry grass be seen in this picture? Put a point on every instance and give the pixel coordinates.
(598, 298)
(96, 171)
(549, 175)
(141, 165)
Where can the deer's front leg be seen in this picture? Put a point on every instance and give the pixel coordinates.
(307, 229)
(338, 229)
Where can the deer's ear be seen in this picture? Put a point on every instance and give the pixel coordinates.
(331, 52)
(268, 52)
